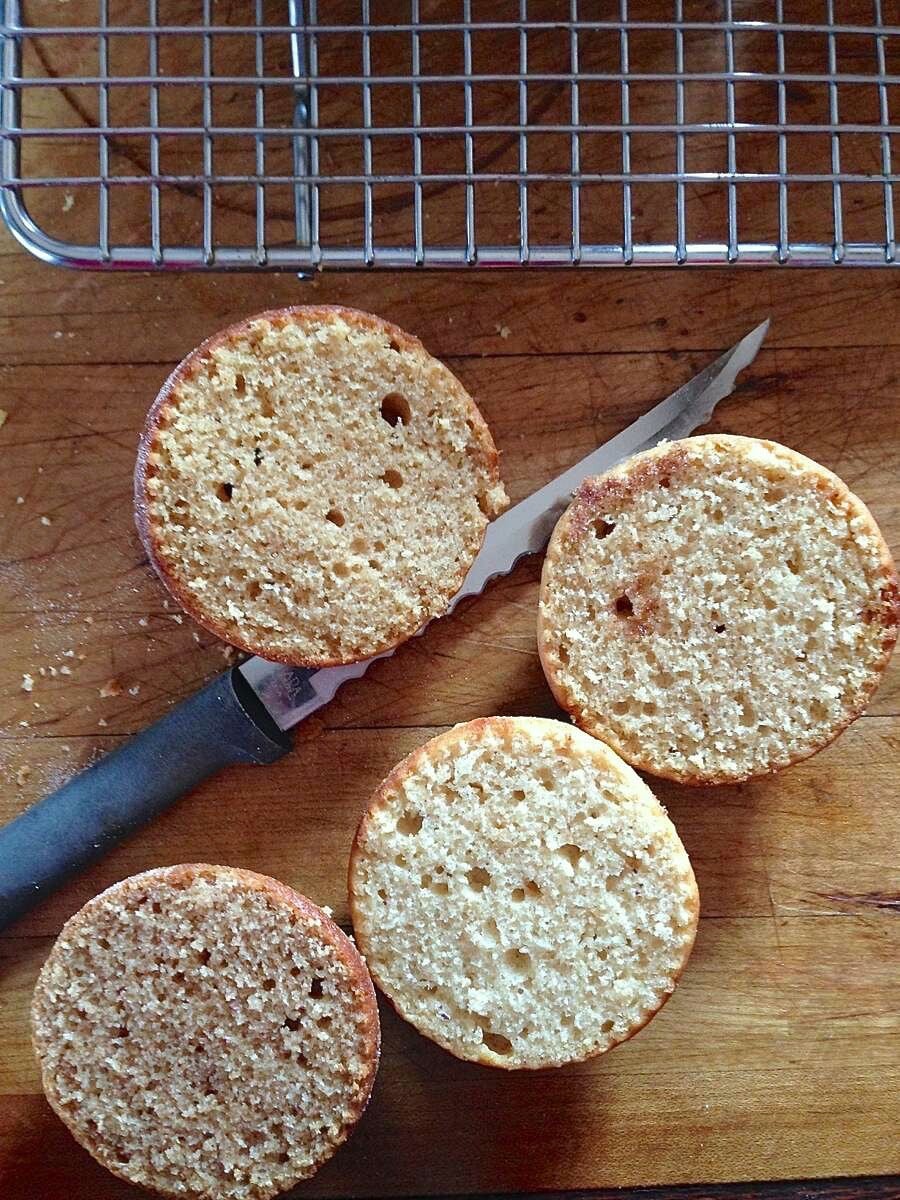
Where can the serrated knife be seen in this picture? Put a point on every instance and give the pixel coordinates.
(244, 714)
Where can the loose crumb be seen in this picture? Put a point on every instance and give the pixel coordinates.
(27, 683)
(68, 202)
(3, 415)
(64, 670)
(503, 330)
(22, 775)
(46, 521)
(177, 618)
(133, 691)
(103, 722)
(143, 622)
(71, 653)
(20, 499)
(112, 687)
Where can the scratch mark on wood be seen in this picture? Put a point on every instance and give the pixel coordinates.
(888, 900)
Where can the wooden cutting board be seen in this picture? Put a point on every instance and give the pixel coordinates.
(778, 1055)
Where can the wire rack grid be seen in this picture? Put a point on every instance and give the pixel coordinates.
(305, 135)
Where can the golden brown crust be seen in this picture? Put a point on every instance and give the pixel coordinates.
(548, 730)
(279, 317)
(279, 894)
(646, 469)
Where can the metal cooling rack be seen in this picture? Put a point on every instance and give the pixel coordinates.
(290, 134)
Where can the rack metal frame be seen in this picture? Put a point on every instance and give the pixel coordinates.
(305, 25)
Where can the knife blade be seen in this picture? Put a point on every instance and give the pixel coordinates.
(242, 716)
(290, 694)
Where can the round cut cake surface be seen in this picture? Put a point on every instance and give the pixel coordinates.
(520, 895)
(313, 486)
(206, 1032)
(716, 608)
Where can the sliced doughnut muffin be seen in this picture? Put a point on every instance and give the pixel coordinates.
(520, 895)
(206, 1032)
(313, 486)
(716, 608)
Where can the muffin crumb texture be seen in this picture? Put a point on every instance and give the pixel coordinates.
(716, 608)
(314, 486)
(206, 1033)
(520, 895)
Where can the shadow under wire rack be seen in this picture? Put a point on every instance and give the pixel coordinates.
(305, 135)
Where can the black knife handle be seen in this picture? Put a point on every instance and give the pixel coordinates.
(221, 725)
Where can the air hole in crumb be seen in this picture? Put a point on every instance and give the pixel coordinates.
(720, 628)
(624, 607)
(409, 823)
(571, 853)
(323, 1022)
(439, 888)
(665, 482)
(269, 985)
(121, 1031)
(293, 1023)
(284, 1157)
(518, 795)
(794, 564)
(400, 860)
(563, 655)
(529, 889)
(496, 1042)
(394, 345)
(341, 570)
(392, 478)
(518, 960)
(254, 588)
(395, 408)
(178, 977)
(315, 988)
(620, 707)
(602, 528)
(240, 385)
(382, 894)
(225, 491)
(336, 517)
(606, 1027)
(358, 545)
(257, 456)
(478, 878)
(204, 956)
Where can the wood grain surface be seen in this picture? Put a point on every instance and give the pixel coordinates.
(778, 1056)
